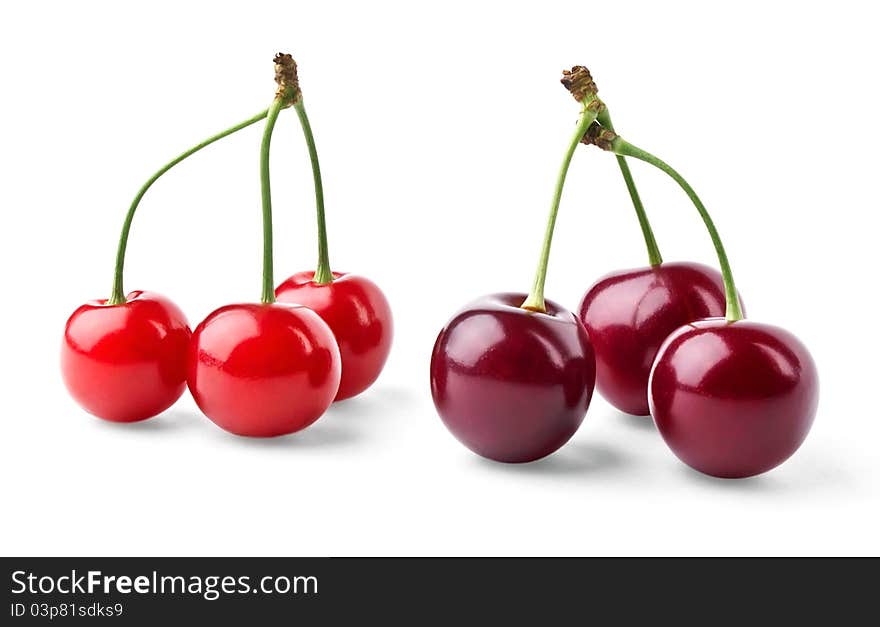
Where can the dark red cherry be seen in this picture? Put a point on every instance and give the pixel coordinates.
(629, 313)
(733, 399)
(512, 385)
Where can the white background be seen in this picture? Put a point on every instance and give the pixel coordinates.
(440, 131)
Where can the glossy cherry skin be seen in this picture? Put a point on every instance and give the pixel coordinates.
(263, 370)
(733, 399)
(512, 385)
(126, 362)
(358, 313)
(628, 314)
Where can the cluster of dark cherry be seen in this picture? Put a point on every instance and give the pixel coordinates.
(255, 369)
(512, 375)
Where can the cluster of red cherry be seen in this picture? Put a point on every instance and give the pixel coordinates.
(255, 369)
(512, 375)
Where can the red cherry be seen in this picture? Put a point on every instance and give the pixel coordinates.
(126, 362)
(512, 385)
(733, 399)
(263, 370)
(629, 313)
(358, 313)
(512, 375)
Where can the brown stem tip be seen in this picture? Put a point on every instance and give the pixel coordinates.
(287, 79)
(579, 82)
(598, 135)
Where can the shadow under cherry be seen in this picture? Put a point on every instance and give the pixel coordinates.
(640, 423)
(574, 459)
(174, 419)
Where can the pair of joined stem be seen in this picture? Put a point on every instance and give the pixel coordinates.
(323, 274)
(117, 294)
(595, 113)
(623, 148)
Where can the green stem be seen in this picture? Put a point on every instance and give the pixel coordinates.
(323, 275)
(268, 296)
(117, 295)
(654, 257)
(623, 148)
(535, 299)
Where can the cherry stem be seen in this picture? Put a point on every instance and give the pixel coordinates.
(535, 299)
(323, 275)
(117, 295)
(622, 148)
(654, 257)
(266, 194)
